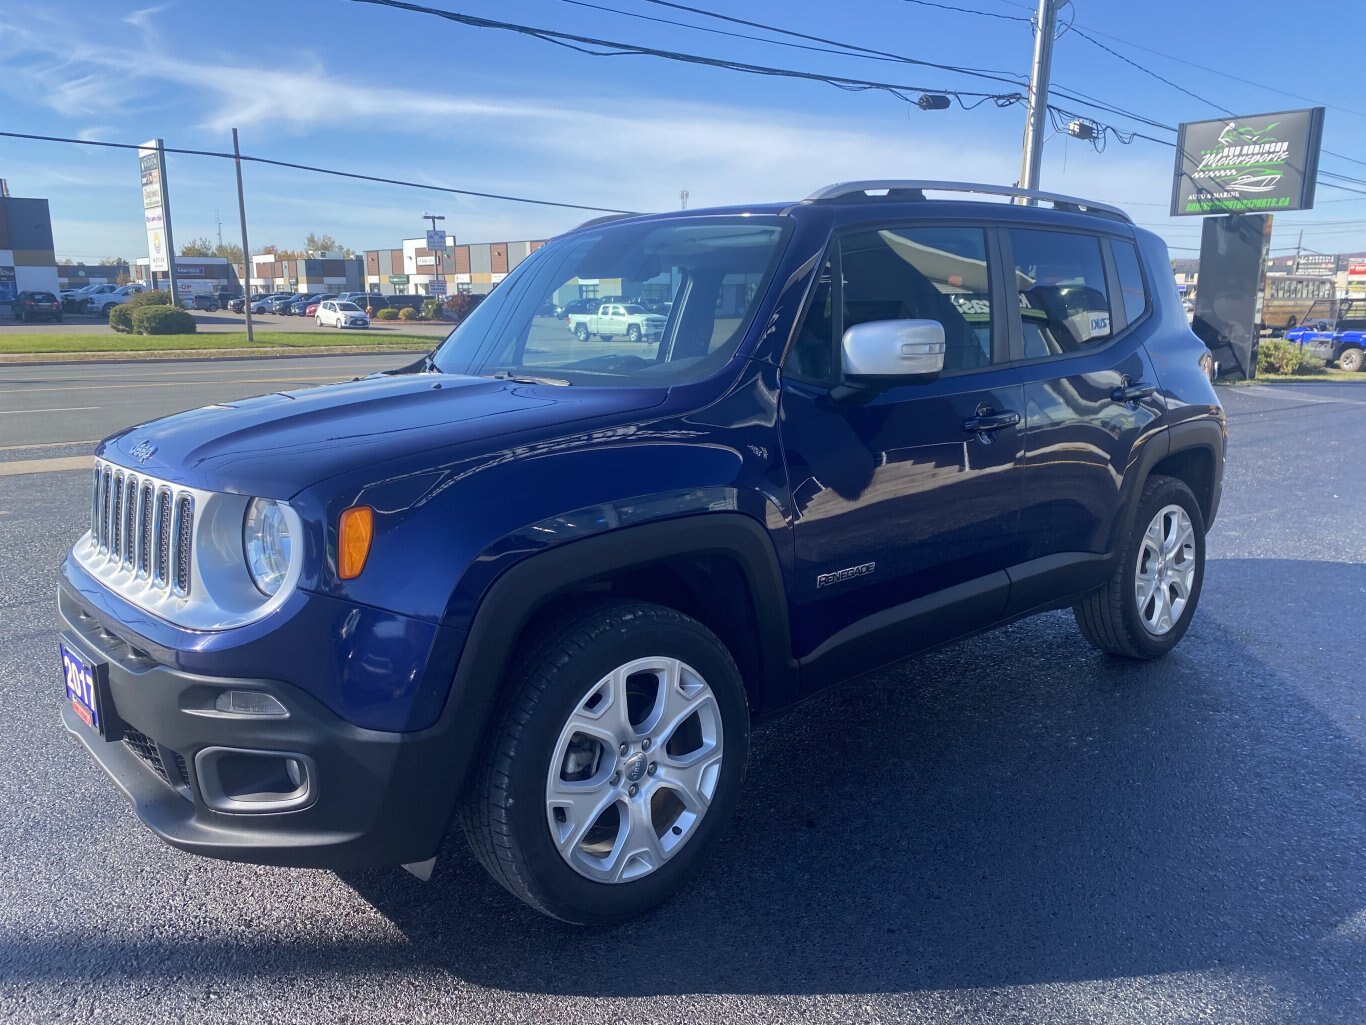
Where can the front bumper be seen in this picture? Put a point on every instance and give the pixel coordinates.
(376, 798)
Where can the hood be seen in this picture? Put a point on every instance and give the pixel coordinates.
(274, 446)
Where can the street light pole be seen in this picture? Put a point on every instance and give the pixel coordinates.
(246, 251)
(1044, 27)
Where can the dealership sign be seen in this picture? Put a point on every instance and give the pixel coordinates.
(1316, 265)
(1259, 164)
(152, 171)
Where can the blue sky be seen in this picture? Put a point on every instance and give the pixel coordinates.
(388, 93)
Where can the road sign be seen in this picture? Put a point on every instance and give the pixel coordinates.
(436, 241)
(437, 287)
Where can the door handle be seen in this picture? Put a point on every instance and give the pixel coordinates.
(985, 422)
(1133, 392)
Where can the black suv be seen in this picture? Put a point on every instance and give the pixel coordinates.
(541, 587)
(37, 305)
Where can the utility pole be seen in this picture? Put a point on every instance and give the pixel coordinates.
(683, 199)
(217, 216)
(246, 249)
(1045, 24)
(438, 286)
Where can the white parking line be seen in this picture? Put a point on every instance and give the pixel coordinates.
(45, 465)
(53, 409)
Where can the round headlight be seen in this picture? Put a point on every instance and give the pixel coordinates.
(266, 544)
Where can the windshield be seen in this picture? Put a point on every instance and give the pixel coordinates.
(713, 270)
(348, 307)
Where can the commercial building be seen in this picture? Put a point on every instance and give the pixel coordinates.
(194, 274)
(471, 269)
(78, 275)
(327, 272)
(28, 261)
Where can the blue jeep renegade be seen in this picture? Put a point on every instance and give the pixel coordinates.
(543, 584)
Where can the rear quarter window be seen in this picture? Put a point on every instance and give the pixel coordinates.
(1133, 293)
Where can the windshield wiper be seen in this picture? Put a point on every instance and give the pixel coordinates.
(519, 378)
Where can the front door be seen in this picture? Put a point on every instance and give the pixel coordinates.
(906, 493)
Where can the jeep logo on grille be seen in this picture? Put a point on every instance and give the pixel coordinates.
(841, 575)
(143, 451)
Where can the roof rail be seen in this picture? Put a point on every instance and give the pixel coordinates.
(604, 219)
(915, 190)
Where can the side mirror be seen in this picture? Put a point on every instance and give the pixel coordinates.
(893, 348)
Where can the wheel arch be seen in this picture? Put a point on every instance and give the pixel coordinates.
(720, 568)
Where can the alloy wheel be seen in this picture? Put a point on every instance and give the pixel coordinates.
(634, 770)
(1165, 571)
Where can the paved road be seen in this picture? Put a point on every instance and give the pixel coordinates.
(56, 405)
(1014, 829)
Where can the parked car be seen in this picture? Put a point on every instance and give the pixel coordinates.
(226, 296)
(372, 301)
(550, 309)
(614, 320)
(37, 306)
(239, 304)
(281, 303)
(103, 302)
(541, 592)
(580, 306)
(339, 313)
(266, 303)
(78, 300)
(308, 305)
(201, 301)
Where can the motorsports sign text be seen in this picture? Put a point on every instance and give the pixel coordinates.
(1258, 164)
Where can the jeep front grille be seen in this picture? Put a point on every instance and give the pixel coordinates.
(143, 528)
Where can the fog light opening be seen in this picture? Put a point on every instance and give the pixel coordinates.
(239, 781)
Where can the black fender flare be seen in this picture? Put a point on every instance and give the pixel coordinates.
(513, 599)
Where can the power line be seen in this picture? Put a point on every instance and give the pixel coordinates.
(322, 170)
(581, 44)
(1147, 71)
(977, 72)
(968, 10)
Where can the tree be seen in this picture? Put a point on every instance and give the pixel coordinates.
(315, 243)
(197, 247)
(228, 251)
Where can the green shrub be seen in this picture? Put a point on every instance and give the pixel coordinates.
(160, 319)
(1278, 356)
(388, 313)
(150, 298)
(429, 309)
(121, 319)
(407, 313)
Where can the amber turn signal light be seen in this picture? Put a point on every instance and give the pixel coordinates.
(355, 531)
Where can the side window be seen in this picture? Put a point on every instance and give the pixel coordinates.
(813, 353)
(1064, 305)
(1131, 288)
(922, 273)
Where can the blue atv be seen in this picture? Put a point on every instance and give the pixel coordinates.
(1334, 330)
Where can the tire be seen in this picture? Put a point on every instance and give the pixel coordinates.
(57, 319)
(1111, 619)
(633, 333)
(1350, 359)
(105, 310)
(581, 333)
(318, 321)
(510, 808)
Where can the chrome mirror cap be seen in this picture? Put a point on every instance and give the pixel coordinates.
(893, 348)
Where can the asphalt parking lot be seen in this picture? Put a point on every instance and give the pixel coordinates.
(1012, 829)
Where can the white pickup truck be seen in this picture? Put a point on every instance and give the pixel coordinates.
(616, 319)
(104, 302)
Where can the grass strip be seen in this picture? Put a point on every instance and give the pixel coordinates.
(303, 341)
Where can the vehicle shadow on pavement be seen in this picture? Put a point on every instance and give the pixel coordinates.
(1014, 809)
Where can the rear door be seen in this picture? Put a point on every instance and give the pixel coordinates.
(1081, 315)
